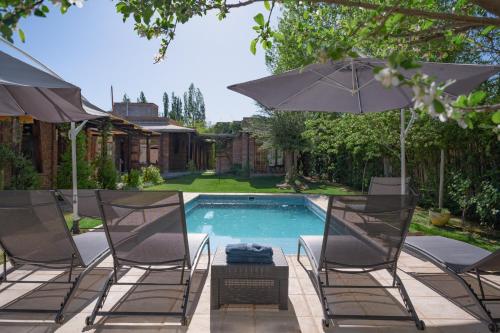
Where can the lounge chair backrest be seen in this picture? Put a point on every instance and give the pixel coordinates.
(87, 202)
(145, 227)
(33, 229)
(387, 186)
(374, 226)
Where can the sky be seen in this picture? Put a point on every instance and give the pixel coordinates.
(92, 48)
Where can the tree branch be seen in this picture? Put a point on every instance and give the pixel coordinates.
(483, 21)
(481, 108)
(492, 6)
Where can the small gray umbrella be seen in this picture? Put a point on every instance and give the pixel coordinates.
(27, 90)
(350, 86)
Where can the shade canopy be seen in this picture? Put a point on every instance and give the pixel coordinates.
(27, 90)
(349, 86)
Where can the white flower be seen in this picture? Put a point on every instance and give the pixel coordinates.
(462, 123)
(443, 117)
(78, 3)
(387, 77)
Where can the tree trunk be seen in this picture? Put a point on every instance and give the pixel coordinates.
(387, 167)
(289, 165)
(441, 180)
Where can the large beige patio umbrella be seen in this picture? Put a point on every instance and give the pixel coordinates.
(27, 90)
(350, 86)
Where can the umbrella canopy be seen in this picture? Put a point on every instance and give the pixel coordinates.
(349, 86)
(27, 90)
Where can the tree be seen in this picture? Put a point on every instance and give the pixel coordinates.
(125, 98)
(416, 24)
(165, 105)
(283, 131)
(141, 98)
(200, 103)
(176, 111)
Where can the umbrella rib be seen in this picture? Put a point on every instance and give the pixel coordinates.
(61, 113)
(340, 85)
(357, 90)
(15, 101)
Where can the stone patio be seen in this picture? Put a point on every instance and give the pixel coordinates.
(438, 300)
(303, 315)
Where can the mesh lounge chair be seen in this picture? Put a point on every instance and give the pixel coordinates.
(87, 202)
(457, 258)
(147, 230)
(33, 231)
(387, 185)
(362, 234)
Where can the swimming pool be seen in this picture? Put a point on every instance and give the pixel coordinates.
(269, 220)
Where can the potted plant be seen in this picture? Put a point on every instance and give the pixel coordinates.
(439, 217)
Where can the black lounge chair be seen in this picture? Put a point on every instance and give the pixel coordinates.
(33, 231)
(147, 230)
(362, 234)
(457, 259)
(387, 186)
(87, 202)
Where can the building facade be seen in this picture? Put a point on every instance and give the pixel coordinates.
(175, 149)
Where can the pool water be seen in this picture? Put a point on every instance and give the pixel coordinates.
(269, 220)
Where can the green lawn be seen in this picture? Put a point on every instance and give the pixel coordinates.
(421, 224)
(231, 184)
(85, 223)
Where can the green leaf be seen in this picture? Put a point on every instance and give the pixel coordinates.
(253, 45)
(45, 9)
(496, 117)
(438, 106)
(461, 101)
(21, 35)
(39, 13)
(487, 30)
(267, 5)
(259, 18)
(476, 97)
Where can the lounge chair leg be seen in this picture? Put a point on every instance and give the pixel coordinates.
(408, 304)
(185, 302)
(100, 302)
(59, 319)
(324, 302)
(480, 284)
(4, 276)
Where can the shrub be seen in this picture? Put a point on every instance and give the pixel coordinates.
(151, 174)
(487, 204)
(459, 190)
(106, 173)
(84, 169)
(134, 179)
(191, 166)
(24, 177)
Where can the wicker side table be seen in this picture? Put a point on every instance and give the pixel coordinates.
(249, 283)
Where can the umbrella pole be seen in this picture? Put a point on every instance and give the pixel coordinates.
(403, 152)
(73, 133)
(403, 133)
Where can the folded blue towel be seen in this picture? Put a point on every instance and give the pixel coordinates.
(249, 249)
(249, 253)
(248, 260)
